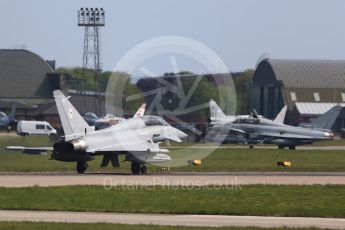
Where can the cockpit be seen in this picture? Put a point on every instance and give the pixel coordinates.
(247, 121)
(2, 114)
(151, 120)
(91, 115)
(109, 116)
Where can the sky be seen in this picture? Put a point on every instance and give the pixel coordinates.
(238, 31)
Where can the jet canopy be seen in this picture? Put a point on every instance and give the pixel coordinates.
(151, 120)
(91, 115)
(247, 121)
(109, 116)
(2, 114)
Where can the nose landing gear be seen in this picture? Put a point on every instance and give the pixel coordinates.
(81, 167)
(138, 168)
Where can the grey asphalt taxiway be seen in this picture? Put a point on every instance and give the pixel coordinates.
(259, 146)
(189, 179)
(171, 219)
(199, 179)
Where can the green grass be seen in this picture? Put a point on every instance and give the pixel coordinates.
(98, 226)
(335, 142)
(221, 160)
(258, 200)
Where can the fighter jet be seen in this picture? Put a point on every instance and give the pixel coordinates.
(109, 119)
(218, 116)
(133, 137)
(6, 121)
(159, 128)
(258, 129)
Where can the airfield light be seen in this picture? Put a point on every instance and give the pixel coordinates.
(91, 19)
(86, 17)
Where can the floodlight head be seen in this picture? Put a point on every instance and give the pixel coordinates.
(91, 17)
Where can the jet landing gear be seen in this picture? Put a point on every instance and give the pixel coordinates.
(138, 168)
(143, 169)
(291, 147)
(81, 167)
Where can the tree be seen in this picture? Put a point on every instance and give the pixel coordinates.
(242, 88)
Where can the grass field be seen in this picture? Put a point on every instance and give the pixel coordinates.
(335, 142)
(258, 200)
(65, 226)
(221, 160)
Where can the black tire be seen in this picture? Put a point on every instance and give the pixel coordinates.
(81, 167)
(281, 147)
(143, 169)
(135, 168)
(292, 147)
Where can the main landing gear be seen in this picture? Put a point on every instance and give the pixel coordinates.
(138, 168)
(81, 166)
(291, 147)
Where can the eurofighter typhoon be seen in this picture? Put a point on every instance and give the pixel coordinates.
(257, 129)
(134, 137)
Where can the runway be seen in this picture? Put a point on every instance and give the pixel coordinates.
(259, 146)
(184, 179)
(171, 219)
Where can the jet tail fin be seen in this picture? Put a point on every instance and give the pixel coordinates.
(72, 122)
(13, 112)
(326, 120)
(140, 112)
(281, 115)
(216, 112)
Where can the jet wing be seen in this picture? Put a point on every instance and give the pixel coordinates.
(152, 158)
(237, 130)
(30, 150)
(231, 128)
(130, 147)
(226, 127)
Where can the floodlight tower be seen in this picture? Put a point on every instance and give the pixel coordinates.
(91, 19)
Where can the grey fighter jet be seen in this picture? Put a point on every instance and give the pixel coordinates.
(258, 129)
(133, 137)
(109, 119)
(6, 121)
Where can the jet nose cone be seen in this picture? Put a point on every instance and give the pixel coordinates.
(329, 135)
(180, 134)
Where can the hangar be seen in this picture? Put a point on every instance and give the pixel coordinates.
(26, 79)
(307, 87)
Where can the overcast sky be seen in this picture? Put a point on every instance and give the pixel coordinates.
(239, 31)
